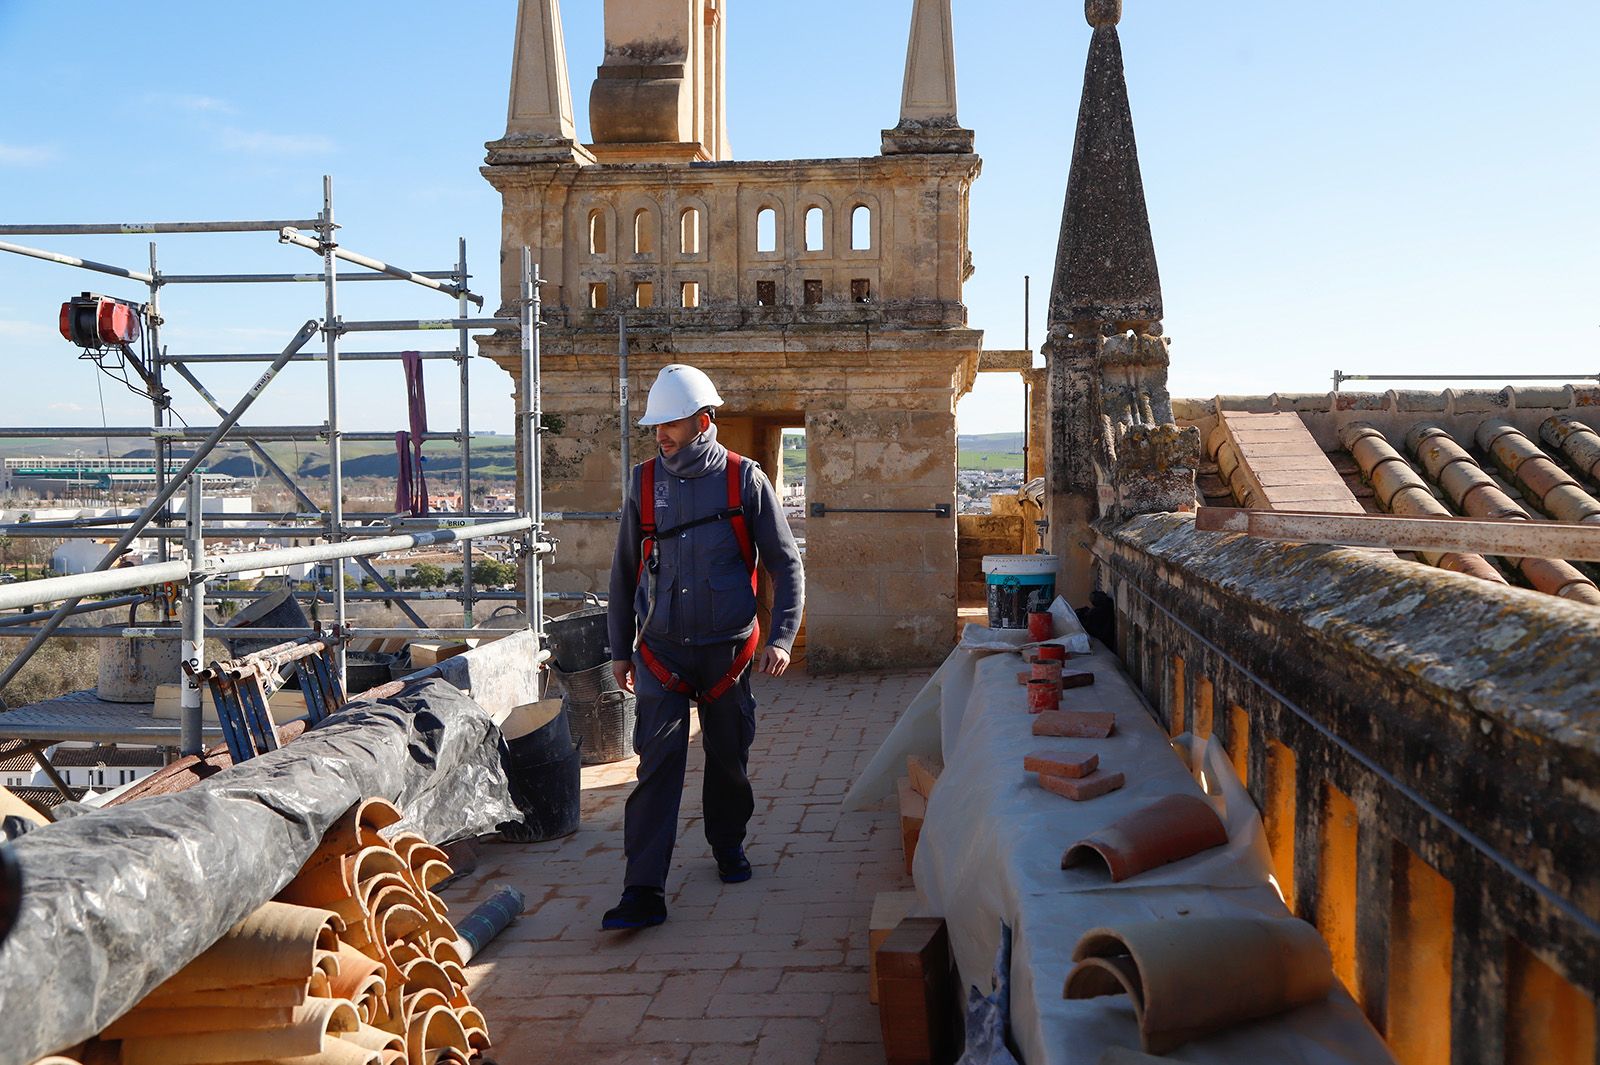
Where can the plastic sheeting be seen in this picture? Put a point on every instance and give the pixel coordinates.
(932, 723)
(990, 855)
(117, 900)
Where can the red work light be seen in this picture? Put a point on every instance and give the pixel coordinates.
(95, 321)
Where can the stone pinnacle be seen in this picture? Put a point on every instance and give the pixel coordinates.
(1102, 13)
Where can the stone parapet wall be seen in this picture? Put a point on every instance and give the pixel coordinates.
(978, 535)
(1424, 748)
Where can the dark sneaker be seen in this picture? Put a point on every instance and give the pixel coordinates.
(641, 907)
(732, 866)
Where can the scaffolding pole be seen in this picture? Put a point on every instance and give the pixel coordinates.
(463, 342)
(330, 523)
(330, 267)
(158, 505)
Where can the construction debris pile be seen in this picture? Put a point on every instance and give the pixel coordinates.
(355, 963)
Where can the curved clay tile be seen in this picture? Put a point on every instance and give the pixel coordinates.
(277, 943)
(1172, 828)
(476, 1027)
(369, 1038)
(313, 1022)
(1194, 976)
(434, 1030)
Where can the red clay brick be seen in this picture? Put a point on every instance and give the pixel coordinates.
(1076, 724)
(1095, 784)
(1061, 763)
(1076, 680)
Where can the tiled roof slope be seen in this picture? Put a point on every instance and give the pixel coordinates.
(14, 757)
(1511, 454)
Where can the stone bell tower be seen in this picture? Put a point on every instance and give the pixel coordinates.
(823, 294)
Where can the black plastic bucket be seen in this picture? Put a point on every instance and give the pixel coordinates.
(578, 640)
(545, 774)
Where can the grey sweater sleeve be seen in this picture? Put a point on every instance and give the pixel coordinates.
(620, 621)
(780, 556)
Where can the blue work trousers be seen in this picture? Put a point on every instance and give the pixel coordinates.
(661, 739)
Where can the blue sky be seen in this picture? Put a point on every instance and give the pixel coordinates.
(1363, 185)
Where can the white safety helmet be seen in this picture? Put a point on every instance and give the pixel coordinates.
(679, 391)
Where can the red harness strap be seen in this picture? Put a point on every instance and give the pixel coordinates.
(741, 532)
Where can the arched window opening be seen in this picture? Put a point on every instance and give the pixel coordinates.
(597, 232)
(689, 231)
(861, 228)
(644, 237)
(598, 296)
(766, 229)
(814, 230)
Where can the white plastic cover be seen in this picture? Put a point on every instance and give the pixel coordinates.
(991, 846)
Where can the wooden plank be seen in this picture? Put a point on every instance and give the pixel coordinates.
(913, 809)
(1510, 539)
(916, 996)
(924, 772)
(889, 908)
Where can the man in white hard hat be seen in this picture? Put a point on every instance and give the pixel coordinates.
(682, 624)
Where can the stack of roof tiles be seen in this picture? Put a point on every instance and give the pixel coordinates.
(355, 963)
(1511, 455)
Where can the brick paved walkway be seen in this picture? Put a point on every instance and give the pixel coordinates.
(773, 971)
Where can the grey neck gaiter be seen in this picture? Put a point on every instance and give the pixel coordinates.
(701, 456)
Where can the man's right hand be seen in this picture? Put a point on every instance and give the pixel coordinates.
(623, 671)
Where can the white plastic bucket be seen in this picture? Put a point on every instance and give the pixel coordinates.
(1017, 586)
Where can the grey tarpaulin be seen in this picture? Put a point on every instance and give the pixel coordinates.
(117, 900)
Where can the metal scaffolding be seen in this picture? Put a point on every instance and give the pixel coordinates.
(344, 539)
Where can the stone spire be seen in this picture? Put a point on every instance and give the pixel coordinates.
(539, 121)
(1114, 450)
(928, 96)
(1106, 273)
(660, 94)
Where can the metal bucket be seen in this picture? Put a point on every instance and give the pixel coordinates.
(130, 669)
(602, 714)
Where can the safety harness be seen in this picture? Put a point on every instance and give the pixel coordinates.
(648, 560)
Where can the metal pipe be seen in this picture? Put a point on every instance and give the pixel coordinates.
(327, 249)
(400, 325)
(251, 279)
(1339, 377)
(12, 620)
(1541, 481)
(222, 529)
(1402, 490)
(310, 356)
(464, 341)
(330, 270)
(73, 260)
(160, 401)
(155, 507)
(266, 433)
(532, 422)
(1474, 492)
(175, 632)
(76, 586)
(126, 228)
(194, 624)
(385, 596)
(624, 407)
